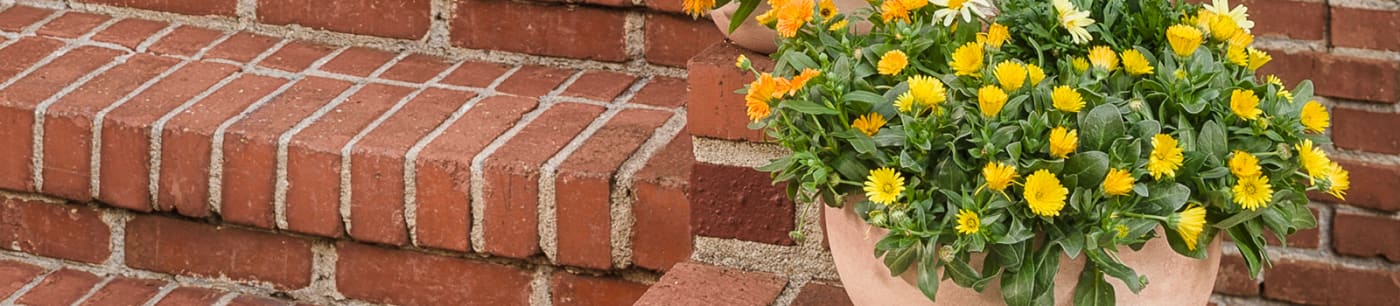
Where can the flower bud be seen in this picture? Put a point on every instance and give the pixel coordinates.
(945, 253)
(743, 62)
(1284, 151)
(898, 217)
(1135, 104)
(797, 236)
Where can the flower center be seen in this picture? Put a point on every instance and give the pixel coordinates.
(887, 188)
(956, 4)
(1249, 189)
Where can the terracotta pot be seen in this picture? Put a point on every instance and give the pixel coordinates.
(1173, 279)
(756, 37)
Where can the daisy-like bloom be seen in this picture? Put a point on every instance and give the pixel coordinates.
(1338, 181)
(1067, 99)
(893, 10)
(1237, 55)
(1074, 20)
(1313, 159)
(1239, 14)
(998, 175)
(892, 62)
(1011, 75)
(1035, 73)
(1273, 79)
(1285, 95)
(967, 59)
(1253, 192)
(792, 16)
(1184, 39)
(697, 7)
(1122, 231)
(1245, 104)
(801, 80)
(839, 25)
(1103, 57)
(990, 99)
(997, 35)
(1044, 194)
(913, 4)
(1079, 64)
(1241, 38)
(770, 17)
(1222, 28)
(1063, 141)
(1118, 182)
(1166, 157)
(1243, 164)
(968, 223)
(1315, 118)
(884, 185)
(953, 8)
(1258, 58)
(1135, 63)
(905, 102)
(760, 91)
(869, 123)
(827, 9)
(928, 90)
(1189, 223)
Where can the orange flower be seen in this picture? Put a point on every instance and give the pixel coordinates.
(792, 16)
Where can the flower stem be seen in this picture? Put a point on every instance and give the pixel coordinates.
(1142, 216)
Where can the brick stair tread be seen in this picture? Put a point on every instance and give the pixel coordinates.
(38, 284)
(700, 284)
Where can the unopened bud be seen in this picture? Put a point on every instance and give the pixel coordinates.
(945, 253)
(743, 62)
(1284, 151)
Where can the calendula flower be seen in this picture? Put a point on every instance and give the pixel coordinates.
(1011, 75)
(1189, 223)
(800, 80)
(1063, 141)
(928, 90)
(967, 59)
(905, 102)
(990, 99)
(1253, 192)
(968, 223)
(1103, 57)
(1067, 99)
(953, 8)
(997, 35)
(869, 123)
(760, 91)
(1222, 28)
(893, 10)
(1243, 164)
(1239, 14)
(1118, 182)
(914, 4)
(1135, 63)
(1241, 38)
(1313, 159)
(883, 186)
(1273, 79)
(1237, 55)
(1044, 194)
(1338, 181)
(1258, 58)
(892, 62)
(827, 9)
(697, 7)
(998, 175)
(1315, 118)
(1035, 73)
(1245, 104)
(1166, 157)
(1079, 64)
(792, 16)
(1184, 39)
(1074, 20)
(1285, 95)
(838, 26)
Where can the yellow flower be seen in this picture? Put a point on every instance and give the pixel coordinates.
(1315, 118)
(1222, 28)
(1184, 39)
(967, 59)
(1011, 75)
(990, 99)
(1314, 161)
(1135, 63)
(801, 80)
(967, 222)
(893, 62)
(1122, 231)
(928, 90)
(1237, 55)
(838, 26)
(1035, 73)
(1253, 192)
(1044, 194)
(1258, 58)
(1273, 79)
(1067, 99)
(1243, 164)
(827, 9)
(697, 7)
(760, 91)
(905, 102)
(1166, 157)
(884, 185)
(1103, 57)
(998, 175)
(1118, 182)
(1245, 104)
(742, 62)
(913, 4)
(953, 8)
(1063, 141)
(997, 35)
(893, 10)
(1079, 64)
(1241, 38)
(1074, 20)
(1239, 14)
(1338, 181)
(792, 16)
(1189, 223)
(1285, 95)
(869, 124)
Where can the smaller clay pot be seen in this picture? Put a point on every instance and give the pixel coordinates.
(754, 36)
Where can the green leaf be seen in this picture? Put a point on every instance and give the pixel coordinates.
(1212, 140)
(799, 60)
(898, 260)
(1100, 126)
(742, 14)
(890, 137)
(928, 272)
(1090, 167)
(807, 107)
(1147, 128)
(863, 144)
(962, 273)
(1165, 198)
(865, 97)
(1092, 290)
(1018, 287)
(1116, 269)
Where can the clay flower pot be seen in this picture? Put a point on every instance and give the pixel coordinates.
(1173, 279)
(756, 37)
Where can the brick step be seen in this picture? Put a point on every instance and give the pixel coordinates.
(700, 284)
(31, 284)
(580, 167)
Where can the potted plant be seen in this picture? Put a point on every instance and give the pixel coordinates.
(1045, 155)
(758, 33)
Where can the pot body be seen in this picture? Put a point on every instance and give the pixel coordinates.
(1173, 279)
(754, 36)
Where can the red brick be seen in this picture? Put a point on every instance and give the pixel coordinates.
(61, 287)
(187, 141)
(584, 183)
(357, 61)
(68, 124)
(19, 101)
(422, 279)
(661, 232)
(242, 47)
(1234, 278)
(1366, 29)
(250, 149)
(1287, 18)
(475, 74)
(1321, 283)
(512, 173)
(1340, 76)
(313, 160)
(209, 7)
(417, 68)
(15, 275)
(714, 109)
(296, 56)
(444, 170)
(1366, 236)
(16, 18)
(251, 300)
(819, 294)
(534, 81)
(599, 85)
(126, 133)
(190, 296)
(553, 30)
(130, 33)
(377, 165)
(1365, 130)
(568, 289)
(665, 5)
(54, 230)
(615, 3)
(180, 247)
(185, 41)
(125, 291)
(406, 19)
(24, 53)
(72, 24)
(672, 40)
(740, 203)
(663, 92)
(696, 284)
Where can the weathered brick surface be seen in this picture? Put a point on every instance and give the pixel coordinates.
(821, 294)
(1366, 236)
(533, 81)
(1339, 76)
(190, 296)
(417, 68)
(407, 19)
(661, 207)
(14, 275)
(475, 74)
(423, 279)
(296, 56)
(568, 289)
(592, 33)
(16, 18)
(599, 85)
(72, 24)
(19, 101)
(697, 284)
(1365, 130)
(1364, 28)
(54, 230)
(1234, 278)
(130, 33)
(61, 287)
(185, 41)
(1322, 283)
(186, 248)
(125, 291)
(1295, 19)
(673, 39)
(714, 109)
(241, 47)
(663, 92)
(357, 61)
(209, 7)
(740, 203)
